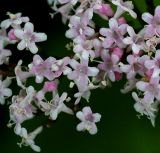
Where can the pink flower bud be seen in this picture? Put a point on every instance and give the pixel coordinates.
(50, 86)
(117, 51)
(11, 35)
(121, 20)
(118, 76)
(106, 9)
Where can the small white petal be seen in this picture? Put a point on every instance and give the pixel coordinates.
(28, 27)
(80, 126)
(141, 85)
(130, 31)
(19, 33)
(128, 40)
(113, 23)
(80, 116)
(93, 130)
(24, 133)
(33, 48)
(92, 71)
(54, 114)
(17, 129)
(40, 37)
(21, 45)
(147, 17)
(35, 148)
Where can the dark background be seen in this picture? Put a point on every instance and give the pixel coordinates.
(120, 130)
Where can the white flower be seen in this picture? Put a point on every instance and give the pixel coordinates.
(15, 20)
(88, 120)
(28, 139)
(145, 107)
(122, 7)
(21, 76)
(21, 108)
(134, 40)
(4, 91)
(56, 106)
(28, 38)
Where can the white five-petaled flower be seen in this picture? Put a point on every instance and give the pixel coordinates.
(79, 28)
(42, 68)
(134, 40)
(122, 7)
(153, 27)
(110, 65)
(28, 138)
(151, 89)
(145, 107)
(15, 20)
(88, 120)
(21, 76)
(28, 38)
(81, 73)
(21, 108)
(114, 35)
(4, 90)
(56, 106)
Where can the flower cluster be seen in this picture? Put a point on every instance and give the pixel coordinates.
(102, 55)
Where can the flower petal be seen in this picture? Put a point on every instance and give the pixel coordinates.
(21, 45)
(40, 37)
(33, 48)
(29, 28)
(141, 85)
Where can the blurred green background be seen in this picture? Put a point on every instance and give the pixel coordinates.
(120, 130)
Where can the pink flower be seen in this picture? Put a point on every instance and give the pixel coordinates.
(121, 20)
(56, 106)
(151, 89)
(145, 107)
(79, 28)
(98, 48)
(88, 120)
(11, 35)
(84, 49)
(134, 40)
(135, 66)
(110, 65)
(21, 108)
(60, 67)
(114, 34)
(42, 68)
(50, 86)
(28, 38)
(153, 27)
(81, 72)
(106, 9)
(118, 52)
